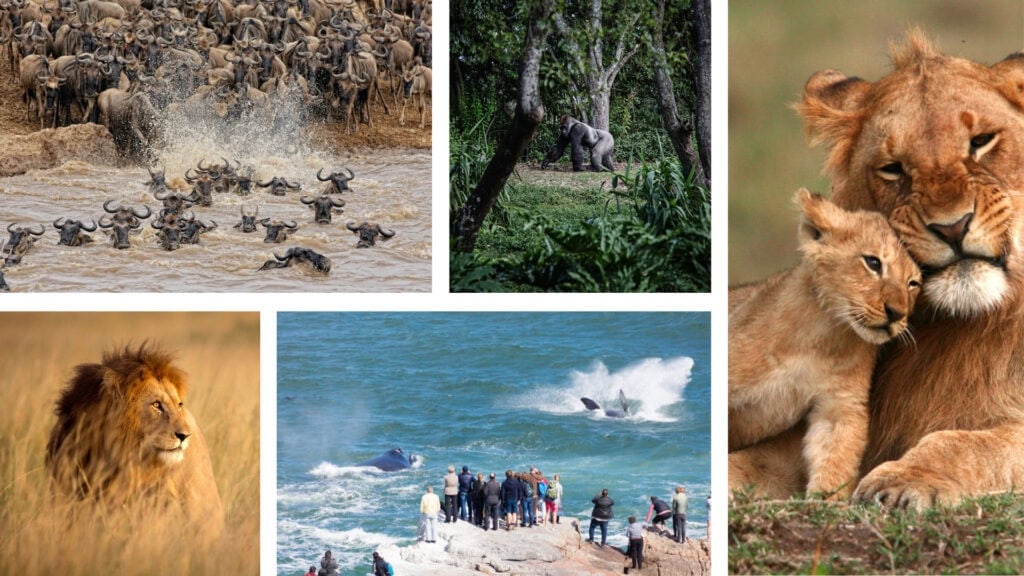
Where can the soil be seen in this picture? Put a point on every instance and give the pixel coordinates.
(560, 175)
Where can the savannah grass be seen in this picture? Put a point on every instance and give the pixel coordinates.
(220, 353)
(981, 536)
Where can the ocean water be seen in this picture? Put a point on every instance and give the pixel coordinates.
(491, 391)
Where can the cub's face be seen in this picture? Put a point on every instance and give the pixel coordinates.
(859, 271)
(165, 431)
(867, 280)
(937, 146)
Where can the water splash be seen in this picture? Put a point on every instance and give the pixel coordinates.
(651, 386)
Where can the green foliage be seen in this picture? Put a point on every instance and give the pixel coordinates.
(468, 158)
(652, 237)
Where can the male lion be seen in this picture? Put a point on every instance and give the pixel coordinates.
(124, 440)
(938, 146)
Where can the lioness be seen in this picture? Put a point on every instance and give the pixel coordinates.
(124, 441)
(938, 146)
(805, 341)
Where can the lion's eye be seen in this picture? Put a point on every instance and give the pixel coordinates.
(891, 171)
(915, 283)
(158, 406)
(873, 264)
(982, 143)
(181, 406)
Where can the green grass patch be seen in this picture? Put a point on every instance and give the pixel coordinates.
(981, 536)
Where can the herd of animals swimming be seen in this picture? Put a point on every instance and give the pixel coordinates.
(127, 63)
(177, 224)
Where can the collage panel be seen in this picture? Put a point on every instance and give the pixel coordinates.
(580, 146)
(374, 409)
(873, 358)
(215, 147)
(129, 443)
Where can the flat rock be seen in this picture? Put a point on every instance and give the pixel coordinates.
(545, 550)
(52, 147)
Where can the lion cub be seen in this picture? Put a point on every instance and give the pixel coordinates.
(804, 342)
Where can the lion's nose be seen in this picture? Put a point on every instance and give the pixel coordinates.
(953, 234)
(182, 436)
(893, 314)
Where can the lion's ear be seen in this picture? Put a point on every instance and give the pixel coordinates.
(818, 216)
(831, 109)
(1010, 74)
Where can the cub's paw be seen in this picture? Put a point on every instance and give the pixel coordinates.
(897, 485)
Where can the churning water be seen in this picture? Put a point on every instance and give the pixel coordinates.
(391, 187)
(486, 390)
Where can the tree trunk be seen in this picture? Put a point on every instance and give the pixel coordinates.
(598, 78)
(680, 131)
(702, 80)
(529, 114)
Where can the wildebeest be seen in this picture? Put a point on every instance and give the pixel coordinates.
(248, 223)
(277, 230)
(71, 231)
(339, 182)
(202, 185)
(416, 83)
(299, 255)
(157, 183)
(169, 232)
(174, 203)
(323, 205)
(124, 221)
(21, 239)
(193, 228)
(368, 233)
(278, 185)
(3, 283)
(131, 120)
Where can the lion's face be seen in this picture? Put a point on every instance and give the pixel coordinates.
(164, 431)
(937, 146)
(860, 272)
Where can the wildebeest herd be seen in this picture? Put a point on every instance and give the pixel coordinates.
(177, 224)
(127, 64)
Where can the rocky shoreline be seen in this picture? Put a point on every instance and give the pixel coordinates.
(52, 147)
(545, 550)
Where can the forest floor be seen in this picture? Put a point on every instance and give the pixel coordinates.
(386, 131)
(982, 536)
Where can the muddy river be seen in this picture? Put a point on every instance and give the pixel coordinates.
(391, 187)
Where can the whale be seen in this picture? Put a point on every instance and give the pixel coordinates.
(394, 459)
(609, 412)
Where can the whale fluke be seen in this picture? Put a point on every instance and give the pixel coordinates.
(591, 405)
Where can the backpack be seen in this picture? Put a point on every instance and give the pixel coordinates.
(542, 488)
(552, 494)
(527, 490)
(391, 571)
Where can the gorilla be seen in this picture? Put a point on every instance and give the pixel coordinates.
(600, 143)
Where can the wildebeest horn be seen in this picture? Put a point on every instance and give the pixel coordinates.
(34, 233)
(335, 202)
(84, 57)
(157, 224)
(146, 215)
(264, 184)
(288, 184)
(264, 222)
(387, 234)
(166, 194)
(189, 179)
(351, 174)
(87, 228)
(304, 200)
(106, 207)
(293, 226)
(106, 222)
(318, 177)
(200, 167)
(58, 222)
(352, 226)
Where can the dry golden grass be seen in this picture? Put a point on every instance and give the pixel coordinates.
(220, 353)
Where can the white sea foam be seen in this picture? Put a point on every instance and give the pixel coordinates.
(650, 386)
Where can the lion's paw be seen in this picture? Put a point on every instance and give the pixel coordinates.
(897, 485)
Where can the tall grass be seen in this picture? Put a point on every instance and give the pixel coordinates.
(220, 352)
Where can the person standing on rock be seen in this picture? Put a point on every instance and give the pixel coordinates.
(511, 494)
(661, 512)
(541, 483)
(430, 505)
(479, 499)
(380, 566)
(328, 565)
(635, 535)
(451, 495)
(679, 514)
(553, 498)
(601, 514)
(529, 489)
(492, 497)
(465, 501)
